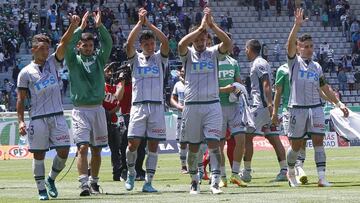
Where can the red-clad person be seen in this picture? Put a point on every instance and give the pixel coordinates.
(113, 91)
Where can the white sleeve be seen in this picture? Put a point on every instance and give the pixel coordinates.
(23, 79)
(53, 60)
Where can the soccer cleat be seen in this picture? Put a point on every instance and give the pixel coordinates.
(235, 179)
(292, 178)
(246, 175)
(195, 188)
(281, 176)
(85, 190)
(215, 189)
(184, 170)
(324, 183)
(94, 188)
(129, 184)
(148, 188)
(43, 195)
(50, 185)
(123, 176)
(223, 182)
(301, 176)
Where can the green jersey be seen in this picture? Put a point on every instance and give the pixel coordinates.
(282, 80)
(228, 71)
(86, 73)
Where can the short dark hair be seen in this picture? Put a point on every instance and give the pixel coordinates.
(254, 45)
(39, 38)
(145, 35)
(305, 37)
(87, 36)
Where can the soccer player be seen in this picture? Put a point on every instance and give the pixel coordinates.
(261, 77)
(305, 107)
(47, 128)
(202, 117)
(229, 72)
(86, 72)
(147, 119)
(177, 100)
(282, 92)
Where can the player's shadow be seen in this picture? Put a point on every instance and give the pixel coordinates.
(142, 193)
(168, 179)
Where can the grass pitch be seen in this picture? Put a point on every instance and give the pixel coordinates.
(343, 166)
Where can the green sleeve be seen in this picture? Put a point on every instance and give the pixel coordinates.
(280, 78)
(70, 53)
(105, 44)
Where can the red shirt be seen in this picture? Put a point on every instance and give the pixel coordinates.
(110, 100)
(125, 103)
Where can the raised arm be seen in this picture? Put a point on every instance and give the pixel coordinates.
(189, 38)
(105, 37)
(225, 44)
(60, 51)
(130, 48)
(299, 19)
(164, 47)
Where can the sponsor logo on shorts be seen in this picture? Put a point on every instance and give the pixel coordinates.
(319, 125)
(62, 138)
(101, 138)
(215, 131)
(158, 130)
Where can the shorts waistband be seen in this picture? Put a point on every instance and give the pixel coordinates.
(306, 107)
(48, 115)
(201, 102)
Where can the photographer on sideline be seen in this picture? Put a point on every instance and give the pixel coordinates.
(113, 91)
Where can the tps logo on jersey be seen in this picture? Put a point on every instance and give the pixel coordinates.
(147, 71)
(202, 67)
(308, 75)
(226, 74)
(45, 83)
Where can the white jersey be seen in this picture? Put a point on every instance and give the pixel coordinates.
(179, 89)
(201, 74)
(43, 87)
(259, 68)
(148, 77)
(304, 83)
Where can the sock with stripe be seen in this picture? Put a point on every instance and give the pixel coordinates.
(57, 166)
(39, 174)
(130, 160)
(151, 162)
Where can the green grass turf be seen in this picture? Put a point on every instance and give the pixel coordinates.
(17, 184)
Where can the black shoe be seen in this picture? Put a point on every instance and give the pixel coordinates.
(85, 190)
(123, 176)
(94, 188)
(116, 177)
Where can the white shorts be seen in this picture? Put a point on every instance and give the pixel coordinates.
(232, 116)
(89, 126)
(262, 122)
(147, 121)
(201, 122)
(48, 133)
(305, 121)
